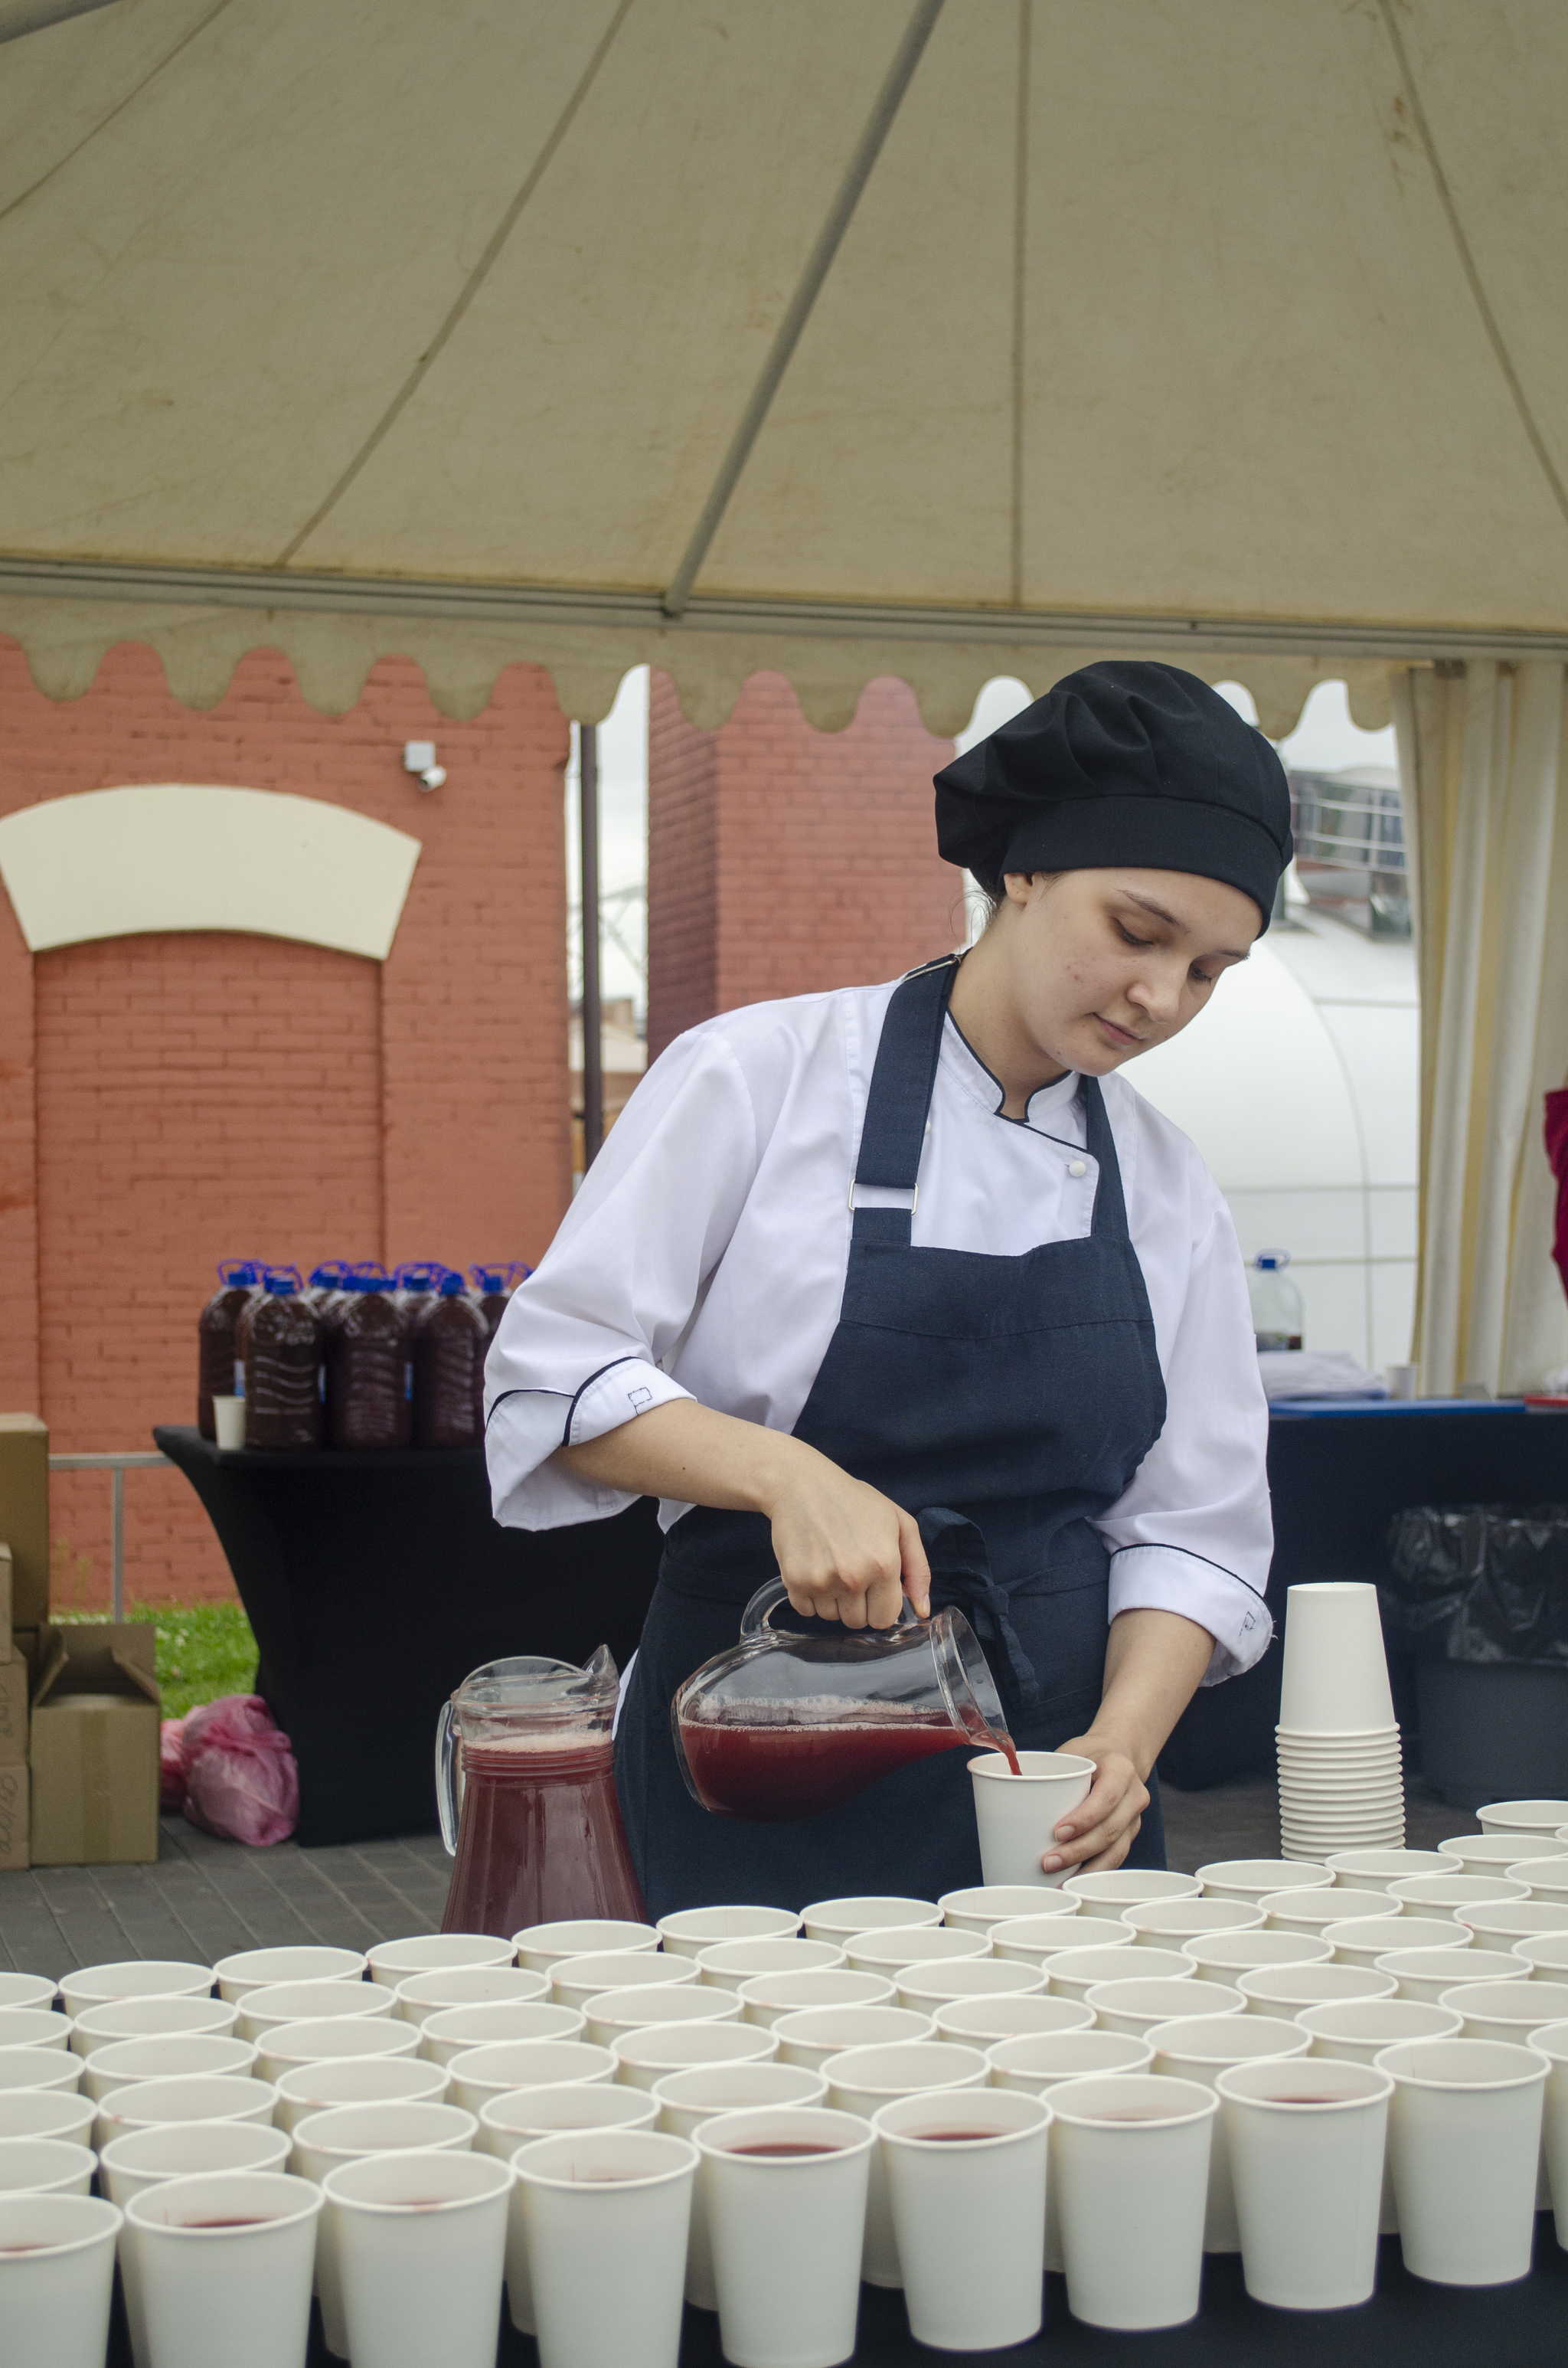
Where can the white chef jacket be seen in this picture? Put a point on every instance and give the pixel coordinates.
(705, 1256)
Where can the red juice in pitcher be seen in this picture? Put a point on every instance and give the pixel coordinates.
(539, 1840)
(768, 1774)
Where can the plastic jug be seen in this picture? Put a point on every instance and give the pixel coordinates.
(1276, 1303)
(791, 1722)
(284, 1383)
(491, 1291)
(215, 1338)
(525, 1783)
(370, 1377)
(449, 1344)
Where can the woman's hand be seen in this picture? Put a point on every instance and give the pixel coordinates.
(1154, 1662)
(1101, 1831)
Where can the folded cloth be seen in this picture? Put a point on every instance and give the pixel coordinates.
(1316, 1373)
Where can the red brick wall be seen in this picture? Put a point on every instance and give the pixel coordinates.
(782, 860)
(168, 1100)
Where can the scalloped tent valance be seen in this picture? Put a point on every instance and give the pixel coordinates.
(939, 340)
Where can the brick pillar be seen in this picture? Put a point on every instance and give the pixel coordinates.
(21, 1387)
(782, 860)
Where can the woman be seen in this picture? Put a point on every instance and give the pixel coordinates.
(882, 1289)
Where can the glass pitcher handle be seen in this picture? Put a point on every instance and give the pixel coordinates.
(448, 1777)
(757, 1618)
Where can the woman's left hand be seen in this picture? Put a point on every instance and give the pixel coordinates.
(1101, 1831)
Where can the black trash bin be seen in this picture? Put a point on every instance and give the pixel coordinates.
(1478, 1595)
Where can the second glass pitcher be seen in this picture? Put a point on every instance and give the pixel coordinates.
(791, 1722)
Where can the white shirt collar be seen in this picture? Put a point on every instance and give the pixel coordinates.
(968, 1071)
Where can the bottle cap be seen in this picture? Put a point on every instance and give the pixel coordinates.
(1270, 1261)
(235, 1271)
(451, 1282)
(282, 1282)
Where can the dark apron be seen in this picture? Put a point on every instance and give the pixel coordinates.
(1005, 1401)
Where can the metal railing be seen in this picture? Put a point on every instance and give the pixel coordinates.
(117, 1465)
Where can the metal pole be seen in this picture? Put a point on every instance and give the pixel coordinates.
(117, 1580)
(593, 1043)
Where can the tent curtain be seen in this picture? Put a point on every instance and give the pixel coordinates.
(1482, 748)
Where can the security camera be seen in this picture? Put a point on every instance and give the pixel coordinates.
(419, 758)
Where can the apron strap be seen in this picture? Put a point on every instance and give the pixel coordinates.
(901, 1078)
(1109, 1220)
(961, 1576)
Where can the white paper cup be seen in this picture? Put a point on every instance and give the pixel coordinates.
(421, 2246)
(1546, 1956)
(1363, 1940)
(644, 2057)
(1221, 1956)
(253, 1969)
(40, 2067)
(1113, 1892)
(1495, 1854)
(448, 2031)
(332, 2039)
(391, 1962)
(1075, 1972)
(817, 2034)
(229, 1423)
(984, 2022)
(574, 1980)
(686, 2099)
(1465, 2144)
(511, 2121)
(1287, 1989)
(1017, 1815)
(597, 2197)
(1306, 2146)
(1355, 2031)
(1112, 2174)
(1439, 1895)
(767, 1996)
(1428, 1973)
(1037, 2061)
(56, 2279)
(1033, 1940)
(1499, 1924)
(1551, 2040)
(1522, 1816)
(1313, 1911)
(836, 1920)
(1135, 2008)
(28, 1990)
(1200, 2048)
(614, 2012)
(1333, 1676)
(423, 1995)
(1253, 1879)
(178, 2150)
(124, 2060)
(1374, 1870)
(272, 2004)
(47, 2113)
(966, 2182)
(725, 1964)
(187, 2097)
(540, 1947)
(239, 2291)
(925, 1987)
(692, 1930)
(916, 1944)
(33, 2026)
(768, 2215)
(862, 2079)
(1542, 1878)
(1507, 2010)
(44, 2167)
(345, 2132)
(153, 2018)
(983, 1905)
(481, 2073)
(92, 1985)
(1171, 1923)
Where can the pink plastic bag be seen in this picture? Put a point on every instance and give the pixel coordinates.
(171, 1764)
(240, 1775)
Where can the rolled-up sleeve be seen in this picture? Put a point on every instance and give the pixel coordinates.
(1194, 1533)
(582, 1346)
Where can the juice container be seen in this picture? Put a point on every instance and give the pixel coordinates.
(284, 1383)
(1276, 1320)
(450, 1340)
(215, 1338)
(490, 1290)
(369, 1378)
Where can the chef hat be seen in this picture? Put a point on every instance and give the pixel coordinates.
(1125, 764)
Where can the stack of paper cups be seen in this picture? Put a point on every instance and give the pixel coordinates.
(1341, 1783)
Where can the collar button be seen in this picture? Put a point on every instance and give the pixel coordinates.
(1077, 1168)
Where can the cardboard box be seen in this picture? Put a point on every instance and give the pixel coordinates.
(6, 1648)
(24, 1646)
(13, 1819)
(13, 1713)
(24, 1514)
(94, 1746)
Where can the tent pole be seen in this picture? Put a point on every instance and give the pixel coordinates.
(593, 1043)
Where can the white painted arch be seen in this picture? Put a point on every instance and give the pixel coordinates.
(183, 855)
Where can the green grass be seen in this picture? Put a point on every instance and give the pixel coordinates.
(204, 1650)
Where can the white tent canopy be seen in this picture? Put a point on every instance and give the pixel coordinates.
(1229, 329)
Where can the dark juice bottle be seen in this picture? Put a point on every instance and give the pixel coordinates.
(450, 1345)
(540, 1840)
(370, 1383)
(283, 1367)
(215, 1338)
(490, 1291)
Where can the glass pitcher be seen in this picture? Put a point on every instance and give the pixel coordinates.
(525, 1784)
(789, 1723)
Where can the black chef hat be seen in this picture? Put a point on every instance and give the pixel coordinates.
(1122, 764)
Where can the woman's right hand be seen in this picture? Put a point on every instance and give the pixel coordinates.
(845, 1552)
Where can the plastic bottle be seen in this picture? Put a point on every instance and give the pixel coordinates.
(284, 1381)
(450, 1339)
(490, 1290)
(215, 1338)
(1276, 1303)
(416, 1281)
(326, 1280)
(369, 1378)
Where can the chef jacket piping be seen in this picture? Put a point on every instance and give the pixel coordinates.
(1000, 1112)
(1157, 1545)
